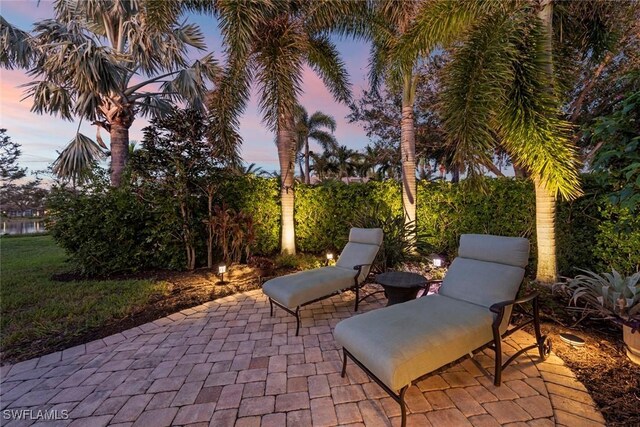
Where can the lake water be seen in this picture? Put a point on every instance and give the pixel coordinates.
(22, 227)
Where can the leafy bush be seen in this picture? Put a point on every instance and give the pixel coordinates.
(300, 261)
(504, 206)
(108, 230)
(324, 213)
(402, 242)
(258, 198)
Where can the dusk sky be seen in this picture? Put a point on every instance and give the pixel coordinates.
(41, 136)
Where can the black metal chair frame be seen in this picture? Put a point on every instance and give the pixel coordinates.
(542, 343)
(355, 288)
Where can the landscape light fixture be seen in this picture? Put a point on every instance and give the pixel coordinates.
(329, 257)
(572, 340)
(436, 260)
(222, 268)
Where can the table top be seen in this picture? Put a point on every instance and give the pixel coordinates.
(401, 279)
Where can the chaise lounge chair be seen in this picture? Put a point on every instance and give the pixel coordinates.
(397, 345)
(352, 268)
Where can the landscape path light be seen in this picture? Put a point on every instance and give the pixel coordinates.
(436, 260)
(222, 268)
(329, 257)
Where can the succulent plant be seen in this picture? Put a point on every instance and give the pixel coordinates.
(609, 294)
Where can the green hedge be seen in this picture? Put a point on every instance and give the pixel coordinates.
(501, 206)
(260, 197)
(324, 213)
(115, 230)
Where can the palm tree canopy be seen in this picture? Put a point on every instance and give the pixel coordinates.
(101, 61)
(312, 128)
(86, 58)
(497, 85)
(270, 43)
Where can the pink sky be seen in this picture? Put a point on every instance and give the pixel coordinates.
(42, 136)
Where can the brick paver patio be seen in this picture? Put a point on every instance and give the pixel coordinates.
(227, 363)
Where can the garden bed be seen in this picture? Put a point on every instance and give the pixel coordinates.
(601, 364)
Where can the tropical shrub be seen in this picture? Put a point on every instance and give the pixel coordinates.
(402, 242)
(111, 230)
(608, 294)
(324, 213)
(592, 232)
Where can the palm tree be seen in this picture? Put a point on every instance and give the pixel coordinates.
(312, 127)
(345, 161)
(101, 61)
(269, 43)
(392, 19)
(499, 76)
(324, 165)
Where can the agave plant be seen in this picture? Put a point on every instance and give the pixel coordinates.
(609, 294)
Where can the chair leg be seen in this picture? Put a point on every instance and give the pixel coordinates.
(544, 343)
(357, 296)
(497, 374)
(344, 363)
(297, 320)
(403, 406)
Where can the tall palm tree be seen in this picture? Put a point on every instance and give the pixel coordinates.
(499, 76)
(392, 19)
(100, 61)
(345, 160)
(270, 43)
(324, 165)
(312, 128)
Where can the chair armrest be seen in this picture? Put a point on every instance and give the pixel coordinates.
(359, 266)
(358, 269)
(499, 306)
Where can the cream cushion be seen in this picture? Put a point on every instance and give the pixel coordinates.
(299, 288)
(500, 249)
(405, 341)
(480, 282)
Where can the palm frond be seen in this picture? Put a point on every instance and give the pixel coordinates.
(441, 22)
(51, 98)
(279, 76)
(190, 84)
(320, 119)
(475, 85)
(15, 47)
(324, 58)
(532, 131)
(327, 141)
(343, 18)
(76, 161)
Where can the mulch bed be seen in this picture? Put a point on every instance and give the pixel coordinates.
(601, 364)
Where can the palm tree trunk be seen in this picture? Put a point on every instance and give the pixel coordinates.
(307, 177)
(547, 270)
(119, 134)
(286, 147)
(408, 151)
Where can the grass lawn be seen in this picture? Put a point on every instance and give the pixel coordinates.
(39, 315)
